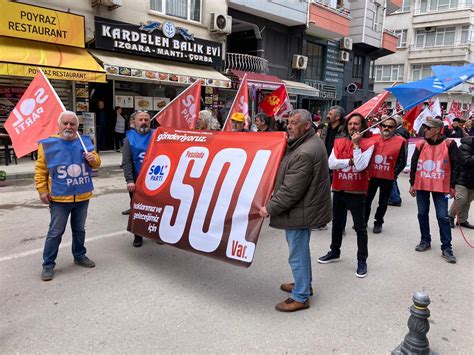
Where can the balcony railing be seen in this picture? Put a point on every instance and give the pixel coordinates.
(245, 62)
(338, 10)
(461, 5)
(454, 45)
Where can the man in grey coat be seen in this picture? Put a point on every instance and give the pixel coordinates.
(301, 201)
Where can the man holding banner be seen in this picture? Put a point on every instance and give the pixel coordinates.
(133, 151)
(301, 201)
(63, 180)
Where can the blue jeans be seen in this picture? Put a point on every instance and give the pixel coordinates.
(395, 194)
(300, 262)
(59, 215)
(441, 206)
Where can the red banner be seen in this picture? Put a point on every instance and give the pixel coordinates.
(182, 112)
(410, 117)
(240, 104)
(274, 100)
(35, 116)
(370, 106)
(201, 191)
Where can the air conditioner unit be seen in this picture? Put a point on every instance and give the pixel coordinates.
(299, 62)
(112, 4)
(346, 43)
(344, 56)
(220, 23)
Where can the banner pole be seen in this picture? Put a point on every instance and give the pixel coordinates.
(389, 117)
(169, 103)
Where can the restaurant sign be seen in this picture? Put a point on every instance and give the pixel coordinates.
(157, 40)
(41, 24)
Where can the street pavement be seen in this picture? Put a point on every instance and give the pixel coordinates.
(161, 299)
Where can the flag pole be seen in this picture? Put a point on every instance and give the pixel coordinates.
(169, 103)
(233, 102)
(373, 108)
(376, 124)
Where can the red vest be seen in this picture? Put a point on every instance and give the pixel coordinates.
(385, 157)
(433, 171)
(347, 179)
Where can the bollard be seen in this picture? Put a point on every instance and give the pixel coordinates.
(416, 342)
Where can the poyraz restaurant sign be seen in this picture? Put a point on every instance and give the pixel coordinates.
(158, 40)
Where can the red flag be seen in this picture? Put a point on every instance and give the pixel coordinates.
(240, 104)
(452, 108)
(274, 100)
(371, 105)
(182, 112)
(35, 116)
(285, 109)
(398, 108)
(411, 116)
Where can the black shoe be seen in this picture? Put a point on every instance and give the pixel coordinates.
(138, 241)
(329, 258)
(47, 273)
(361, 269)
(377, 228)
(451, 222)
(85, 262)
(396, 204)
(466, 225)
(447, 254)
(423, 246)
(126, 212)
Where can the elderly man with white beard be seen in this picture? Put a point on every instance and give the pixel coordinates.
(389, 160)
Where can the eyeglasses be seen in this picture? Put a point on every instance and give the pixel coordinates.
(427, 128)
(387, 126)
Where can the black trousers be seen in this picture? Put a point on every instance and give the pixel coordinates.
(341, 203)
(384, 195)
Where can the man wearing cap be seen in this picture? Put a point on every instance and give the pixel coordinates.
(237, 122)
(133, 152)
(389, 161)
(301, 200)
(434, 169)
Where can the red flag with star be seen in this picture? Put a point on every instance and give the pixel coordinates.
(272, 103)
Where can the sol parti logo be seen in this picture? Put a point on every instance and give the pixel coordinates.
(158, 172)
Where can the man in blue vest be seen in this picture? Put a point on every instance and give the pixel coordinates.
(63, 177)
(134, 148)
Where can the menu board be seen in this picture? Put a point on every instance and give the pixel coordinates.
(88, 125)
(159, 103)
(82, 97)
(143, 103)
(124, 101)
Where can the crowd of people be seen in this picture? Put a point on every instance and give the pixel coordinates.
(343, 156)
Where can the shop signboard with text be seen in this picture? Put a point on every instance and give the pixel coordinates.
(201, 191)
(158, 40)
(41, 24)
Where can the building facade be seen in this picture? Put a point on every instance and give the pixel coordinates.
(429, 33)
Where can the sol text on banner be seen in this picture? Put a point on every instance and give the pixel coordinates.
(201, 191)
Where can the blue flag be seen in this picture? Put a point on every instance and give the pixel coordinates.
(411, 94)
(452, 76)
(446, 77)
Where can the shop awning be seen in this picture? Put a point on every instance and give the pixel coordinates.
(297, 88)
(21, 57)
(131, 68)
(260, 81)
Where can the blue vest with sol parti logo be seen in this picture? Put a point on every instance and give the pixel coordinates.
(69, 171)
(138, 145)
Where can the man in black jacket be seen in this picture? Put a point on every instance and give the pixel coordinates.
(464, 185)
(395, 199)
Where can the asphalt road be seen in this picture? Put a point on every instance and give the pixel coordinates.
(161, 299)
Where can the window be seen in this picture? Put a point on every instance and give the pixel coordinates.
(402, 38)
(358, 67)
(390, 73)
(405, 6)
(437, 5)
(421, 72)
(467, 35)
(439, 37)
(184, 9)
(314, 53)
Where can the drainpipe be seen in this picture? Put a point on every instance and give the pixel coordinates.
(365, 22)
